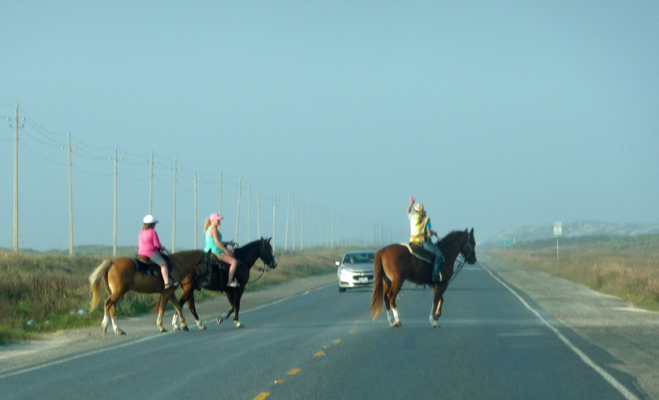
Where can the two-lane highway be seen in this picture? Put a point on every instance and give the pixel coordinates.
(493, 343)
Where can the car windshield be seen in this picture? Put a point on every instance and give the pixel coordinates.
(358, 258)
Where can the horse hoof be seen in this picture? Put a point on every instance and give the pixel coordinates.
(185, 328)
(176, 328)
(163, 330)
(103, 330)
(119, 332)
(240, 326)
(202, 328)
(220, 320)
(397, 325)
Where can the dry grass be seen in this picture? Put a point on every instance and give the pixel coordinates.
(623, 267)
(49, 289)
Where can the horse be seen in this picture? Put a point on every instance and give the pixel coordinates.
(216, 279)
(120, 276)
(394, 264)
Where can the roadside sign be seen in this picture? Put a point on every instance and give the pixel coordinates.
(558, 228)
(505, 241)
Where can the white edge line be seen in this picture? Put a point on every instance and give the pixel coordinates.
(610, 379)
(38, 367)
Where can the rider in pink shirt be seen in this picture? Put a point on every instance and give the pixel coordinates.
(149, 246)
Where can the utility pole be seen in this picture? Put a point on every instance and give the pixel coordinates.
(16, 179)
(288, 210)
(302, 226)
(114, 242)
(274, 222)
(195, 209)
(249, 203)
(220, 193)
(174, 218)
(258, 213)
(240, 186)
(151, 187)
(293, 223)
(70, 203)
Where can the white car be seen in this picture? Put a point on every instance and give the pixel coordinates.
(356, 269)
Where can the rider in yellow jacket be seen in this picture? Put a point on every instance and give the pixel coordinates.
(421, 232)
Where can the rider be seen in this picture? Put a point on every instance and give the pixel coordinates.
(215, 245)
(421, 232)
(149, 246)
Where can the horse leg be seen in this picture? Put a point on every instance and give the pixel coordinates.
(386, 286)
(193, 310)
(179, 312)
(110, 308)
(230, 298)
(393, 292)
(236, 300)
(437, 303)
(161, 312)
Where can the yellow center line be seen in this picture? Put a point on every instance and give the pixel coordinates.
(262, 396)
(277, 381)
(327, 346)
(319, 354)
(337, 341)
(294, 371)
(351, 331)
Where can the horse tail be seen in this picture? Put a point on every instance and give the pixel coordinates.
(95, 281)
(377, 298)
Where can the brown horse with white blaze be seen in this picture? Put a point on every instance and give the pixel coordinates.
(120, 276)
(394, 264)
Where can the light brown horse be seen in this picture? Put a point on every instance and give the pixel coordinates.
(394, 264)
(120, 276)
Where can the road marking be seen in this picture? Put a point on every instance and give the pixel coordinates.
(262, 396)
(277, 381)
(327, 346)
(319, 354)
(38, 367)
(607, 377)
(294, 371)
(337, 341)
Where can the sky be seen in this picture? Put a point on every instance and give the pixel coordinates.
(494, 115)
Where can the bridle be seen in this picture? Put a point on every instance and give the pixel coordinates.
(464, 258)
(267, 266)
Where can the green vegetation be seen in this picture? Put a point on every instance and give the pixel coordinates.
(43, 292)
(626, 267)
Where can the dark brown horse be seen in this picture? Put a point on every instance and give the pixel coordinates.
(120, 276)
(394, 264)
(216, 279)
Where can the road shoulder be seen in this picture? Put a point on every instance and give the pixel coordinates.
(629, 334)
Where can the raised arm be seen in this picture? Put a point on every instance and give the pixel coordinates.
(409, 209)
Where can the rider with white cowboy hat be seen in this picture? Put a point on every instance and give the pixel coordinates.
(421, 232)
(149, 246)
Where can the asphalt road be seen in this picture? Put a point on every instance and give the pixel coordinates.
(494, 343)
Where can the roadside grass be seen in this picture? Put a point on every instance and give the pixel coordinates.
(623, 267)
(44, 292)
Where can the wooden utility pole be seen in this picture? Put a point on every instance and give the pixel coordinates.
(258, 213)
(302, 226)
(174, 218)
(240, 186)
(288, 210)
(151, 188)
(293, 223)
(16, 179)
(114, 242)
(195, 209)
(221, 180)
(249, 210)
(70, 203)
(274, 222)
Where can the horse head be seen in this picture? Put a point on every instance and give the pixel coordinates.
(267, 255)
(468, 250)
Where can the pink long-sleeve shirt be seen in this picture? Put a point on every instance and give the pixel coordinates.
(148, 242)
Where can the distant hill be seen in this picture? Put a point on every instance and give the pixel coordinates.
(571, 230)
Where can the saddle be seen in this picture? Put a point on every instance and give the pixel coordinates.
(417, 250)
(144, 265)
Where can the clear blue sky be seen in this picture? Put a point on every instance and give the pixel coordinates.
(493, 114)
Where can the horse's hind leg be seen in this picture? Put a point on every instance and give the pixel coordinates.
(111, 309)
(391, 295)
(386, 286)
(238, 294)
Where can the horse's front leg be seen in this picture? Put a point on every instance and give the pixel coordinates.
(239, 294)
(436, 309)
(230, 298)
(161, 312)
(393, 293)
(179, 312)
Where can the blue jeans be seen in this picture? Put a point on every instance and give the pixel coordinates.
(428, 245)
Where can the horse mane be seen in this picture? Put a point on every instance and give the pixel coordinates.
(444, 243)
(240, 251)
